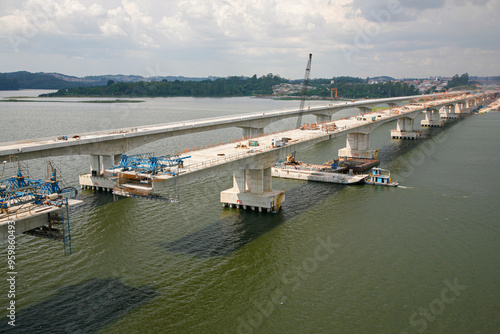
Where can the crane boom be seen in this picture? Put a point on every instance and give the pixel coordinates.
(304, 91)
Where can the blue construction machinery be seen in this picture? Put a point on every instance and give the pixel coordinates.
(134, 175)
(149, 164)
(21, 194)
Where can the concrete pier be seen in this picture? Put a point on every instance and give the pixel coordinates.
(449, 112)
(99, 163)
(405, 129)
(358, 146)
(96, 182)
(432, 118)
(252, 189)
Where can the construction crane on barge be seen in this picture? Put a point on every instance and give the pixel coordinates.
(304, 91)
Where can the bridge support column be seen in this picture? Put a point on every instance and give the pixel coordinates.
(391, 105)
(364, 110)
(323, 118)
(252, 189)
(249, 132)
(358, 146)
(95, 164)
(107, 161)
(405, 129)
(462, 107)
(449, 112)
(432, 119)
(98, 163)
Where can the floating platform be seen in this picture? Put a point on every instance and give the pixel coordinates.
(357, 165)
(341, 171)
(316, 173)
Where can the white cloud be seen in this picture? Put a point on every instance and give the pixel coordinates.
(96, 10)
(112, 29)
(233, 37)
(69, 8)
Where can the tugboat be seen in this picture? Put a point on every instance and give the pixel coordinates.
(380, 177)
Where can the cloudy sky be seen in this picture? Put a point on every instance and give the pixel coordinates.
(399, 38)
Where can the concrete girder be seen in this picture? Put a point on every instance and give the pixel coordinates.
(252, 132)
(320, 118)
(254, 128)
(326, 115)
(268, 159)
(105, 143)
(365, 109)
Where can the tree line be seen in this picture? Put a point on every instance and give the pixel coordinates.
(8, 84)
(347, 87)
(222, 87)
(358, 88)
(458, 81)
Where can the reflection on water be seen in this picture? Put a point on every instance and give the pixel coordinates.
(238, 228)
(83, 308)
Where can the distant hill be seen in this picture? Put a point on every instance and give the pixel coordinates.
(8, 83)
(41, 80)
(36, 80)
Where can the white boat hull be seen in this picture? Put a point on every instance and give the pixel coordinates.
(309, 175)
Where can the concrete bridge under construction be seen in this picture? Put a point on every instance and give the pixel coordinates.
(105, 147)
(252, 185)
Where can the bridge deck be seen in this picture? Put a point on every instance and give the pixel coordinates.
(86, 143)
(226, 153)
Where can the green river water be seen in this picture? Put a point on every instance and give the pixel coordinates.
(420, 258)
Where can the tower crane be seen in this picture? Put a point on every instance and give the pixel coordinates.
(304, 91)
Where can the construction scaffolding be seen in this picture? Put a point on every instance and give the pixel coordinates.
(58, 227)
(134, 176)
(20, 196)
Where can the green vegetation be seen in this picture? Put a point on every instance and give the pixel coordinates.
(27, 99)
(8, 84)
(457, 81)
(352, 88)
(224, 87)
(27, 80)
(347, 87)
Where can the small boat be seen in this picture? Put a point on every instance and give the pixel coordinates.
(380, 177)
